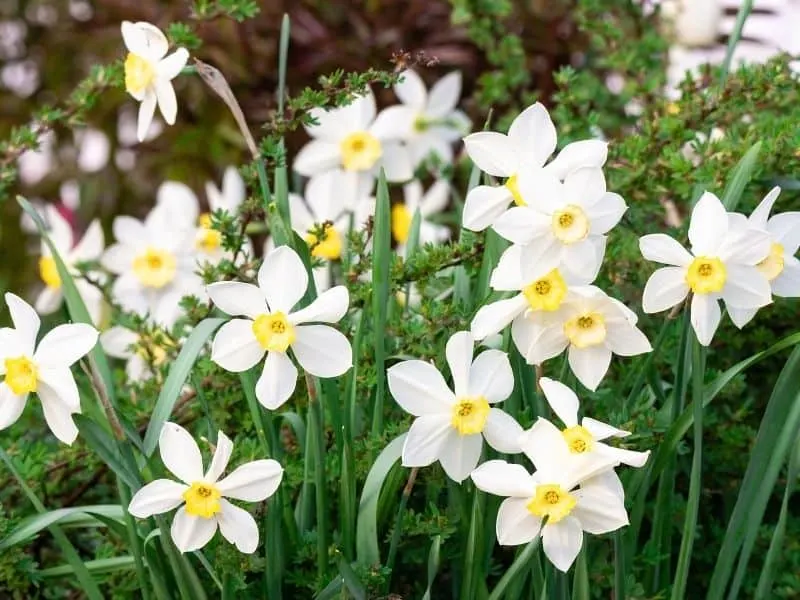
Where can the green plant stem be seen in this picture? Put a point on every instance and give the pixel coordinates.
(619, 567)
(317, 452)
(521, 563)
(471, 560)
(133, 540)
(177, 563)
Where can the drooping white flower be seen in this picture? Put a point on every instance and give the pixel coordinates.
(571, 218)
(350, 137)
(127, 345)
(530, 141)
(43, 368)
(590, 325)
(552, 491)
(88, 248)
(149, 72)
(722, 265)
(451, 424)
(431, 120)
(269, 325)
(203, 497)
(429, 203)
(781, 267)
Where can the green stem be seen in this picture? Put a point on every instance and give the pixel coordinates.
(318, 453)
(471, 560)
(210, 426)
(249, 387)
(619, 567)
(175, 561)
(134, 540)
(521, 563)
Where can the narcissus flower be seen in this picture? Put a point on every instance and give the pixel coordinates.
(232, 194)
(268, 324)
(89, 248)
(590, 325)
(127, 345)
(530, 141)
(149, 72)
(722, 265)
(552, 492)
(451, 424)
(42, 369)
(429, 203)
(203, 497)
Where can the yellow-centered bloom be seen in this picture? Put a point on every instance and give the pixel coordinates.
(21, 375)
(139, 74)
(360, 151)
(546, 293)
(570, 224)
(49, 272)
(401, 223)
(579, 439)
(588, 329)
(209, 240)
(469, 415)
(773, 265)
(329, 247)
(273, 331)
(202, 500)
(155, 267)
(551, 501)
(706, 275)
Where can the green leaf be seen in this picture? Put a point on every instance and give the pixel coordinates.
(517, 568)
(351, 581)
(178, 374)
(744, 11)
(76, 516)
(381, 264)
(99, 566)
(741, 176)
(433, 564)
(107, 449)
(367, 527)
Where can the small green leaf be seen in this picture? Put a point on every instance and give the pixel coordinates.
(77, 515)
(740, 178)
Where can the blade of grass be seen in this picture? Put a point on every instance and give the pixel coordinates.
(433, 564)
(744, 11)
(520, 564)
(470, 569)
(382, 256)
(740, 177)
(580, 582)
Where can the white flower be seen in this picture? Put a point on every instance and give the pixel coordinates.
(722, 265)
(127, 345)
(571, 218)
(202, 497)
(551, 492)
(430, 203)
(149, 72)
(89, 248)
(530, 141)
(269, 325)
(590, 324)
(451, 424)
(352, 138)
(430, 119)
(780, 267)
(232, 194)
(43, 369)
(155, 264)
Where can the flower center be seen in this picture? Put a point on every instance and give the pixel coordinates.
(21, 375)
(551, 501)
(772, 266)
(401, 223)
(546, 293)
(208, 240)
(202, 500)
(421, 124)
(513, 187)
(139, 73)
(360, 151)
(588, 329)
(330, 246)
(706, 275)
(570, 224)
(470, 414)
(155, 267)
(152, 351)
(49, 272)
(273, 331)
(579, 439)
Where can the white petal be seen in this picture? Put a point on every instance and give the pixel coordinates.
(589, 364)
(542, 190)
(236, 298)
(329, 307)
(484, 204)
(507, 275)
(91, 245)
(117, 341)
(144, 39)
(502, 431)
(460, 454)
(177, 204)
(602, 431)
(436, 198)
(538, 339)
(238, 527)
(740, 316)
(745, 245)
(59, 230)
(252, 482)
(705, 317)
(423, 147)
(234, 191)
(411, 90)
(787, 284)
(503, 478)
(235, 347)
(582, 260)
(490, 376)
(49, 301)
(191, 533)
(180, 454)
(544, 445)
(11, 405)
(167, 102)
(396, 162)
(459, 358)
(65, 344)
(608, 481)
(760, 216)
(785, 228)
(606, 213)
(562, 542)
(586, 153)
(322, 351)
(492, 152)
(665, 288)
(521, 224)
(26, 322)
(624, 339)
(59, 418)
(493, 318)
(58, 384)
(708, 225)
(394, 123)
(147, 109)
(222, 454)
(157, 497)
(515, 523)
(283, 279)
(561, 399)
(661, 248)
(599, 511)
(746, 287)
(277, 381)
(444, 95)
(317, 156)
(324, 196)
(586, 187)
(171, 66)
(425, 440)
(419, 388)
(623, 455)
(533, 132)
(543, 255)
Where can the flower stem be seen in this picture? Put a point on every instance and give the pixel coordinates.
(317, 451)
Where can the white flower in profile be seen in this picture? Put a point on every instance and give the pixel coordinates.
(572, 217)
(431, 119)
(722, 265)
(552, 492)
(149, 72)
(269, 325)
(451, 424)
(530, 141)
(129, 346)
(155, 265)
(590, 325)
(781, 267)
(203, 497)
(88, 248)
(43, 368)
(350, 137)
(429, 203)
